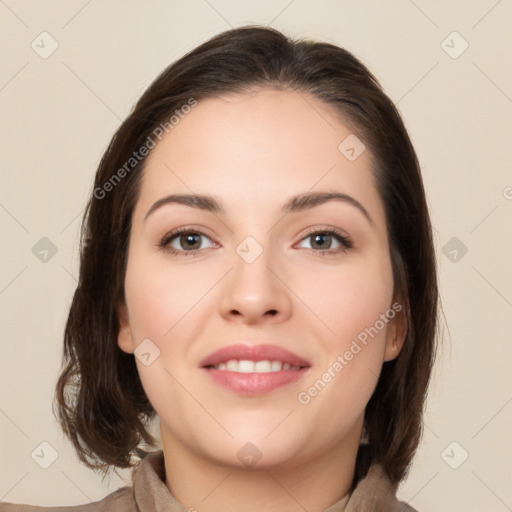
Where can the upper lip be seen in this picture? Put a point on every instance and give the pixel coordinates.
(253, 353)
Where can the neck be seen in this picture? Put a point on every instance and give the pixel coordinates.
(313, 485)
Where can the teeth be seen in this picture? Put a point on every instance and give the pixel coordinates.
(277, 366)
(232, 366)
(245, 366)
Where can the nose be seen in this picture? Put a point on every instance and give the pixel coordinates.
(256, 291)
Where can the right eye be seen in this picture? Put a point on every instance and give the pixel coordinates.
(188, 239)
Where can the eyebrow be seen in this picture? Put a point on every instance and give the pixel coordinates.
(296, 203)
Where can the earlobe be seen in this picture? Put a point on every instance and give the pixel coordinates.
(124, 336)
(395, 336)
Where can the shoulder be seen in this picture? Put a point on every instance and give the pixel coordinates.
(121, 500)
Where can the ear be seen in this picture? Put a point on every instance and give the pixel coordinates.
(124, 337)
(396, 332)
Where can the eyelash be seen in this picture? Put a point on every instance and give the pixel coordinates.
(345, 241)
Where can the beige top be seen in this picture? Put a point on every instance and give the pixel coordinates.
(373, 493)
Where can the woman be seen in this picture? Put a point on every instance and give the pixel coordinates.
(257, 269)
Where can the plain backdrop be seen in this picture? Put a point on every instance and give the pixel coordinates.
(447, 66)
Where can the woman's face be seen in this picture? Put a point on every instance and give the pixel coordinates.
(260, 275)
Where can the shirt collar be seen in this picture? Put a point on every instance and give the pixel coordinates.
(373, 493)
(150, 492)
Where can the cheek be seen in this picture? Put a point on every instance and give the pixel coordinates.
(160, 302)
(349, 299)
(164, 302)
(160, 296)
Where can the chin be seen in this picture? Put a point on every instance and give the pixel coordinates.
(256, 452)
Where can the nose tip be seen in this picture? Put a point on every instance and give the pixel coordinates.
(253, 291)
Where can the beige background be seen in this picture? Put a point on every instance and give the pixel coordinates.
(59, 113)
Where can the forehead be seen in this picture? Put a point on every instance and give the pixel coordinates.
(256, 148)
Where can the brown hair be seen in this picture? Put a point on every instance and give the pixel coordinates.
(101, 404)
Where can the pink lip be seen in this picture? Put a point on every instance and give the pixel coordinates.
(253, 353)
(254, 383)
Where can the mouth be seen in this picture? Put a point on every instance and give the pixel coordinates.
(254, 370)
(247, 366)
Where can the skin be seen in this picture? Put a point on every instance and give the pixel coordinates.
(253, 151)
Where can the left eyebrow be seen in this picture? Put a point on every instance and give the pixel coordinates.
(296, 203)
(308, 200)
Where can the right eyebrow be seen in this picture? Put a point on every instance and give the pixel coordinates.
(199, 201)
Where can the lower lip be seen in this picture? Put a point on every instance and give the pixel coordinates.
(254, 383)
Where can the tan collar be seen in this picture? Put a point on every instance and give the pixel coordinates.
(373, 493)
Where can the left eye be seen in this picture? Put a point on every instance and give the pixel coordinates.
(324, 240)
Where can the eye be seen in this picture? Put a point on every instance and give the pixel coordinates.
(322, 242)
(188, 241)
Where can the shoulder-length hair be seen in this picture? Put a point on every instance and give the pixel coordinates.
(101, 404)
